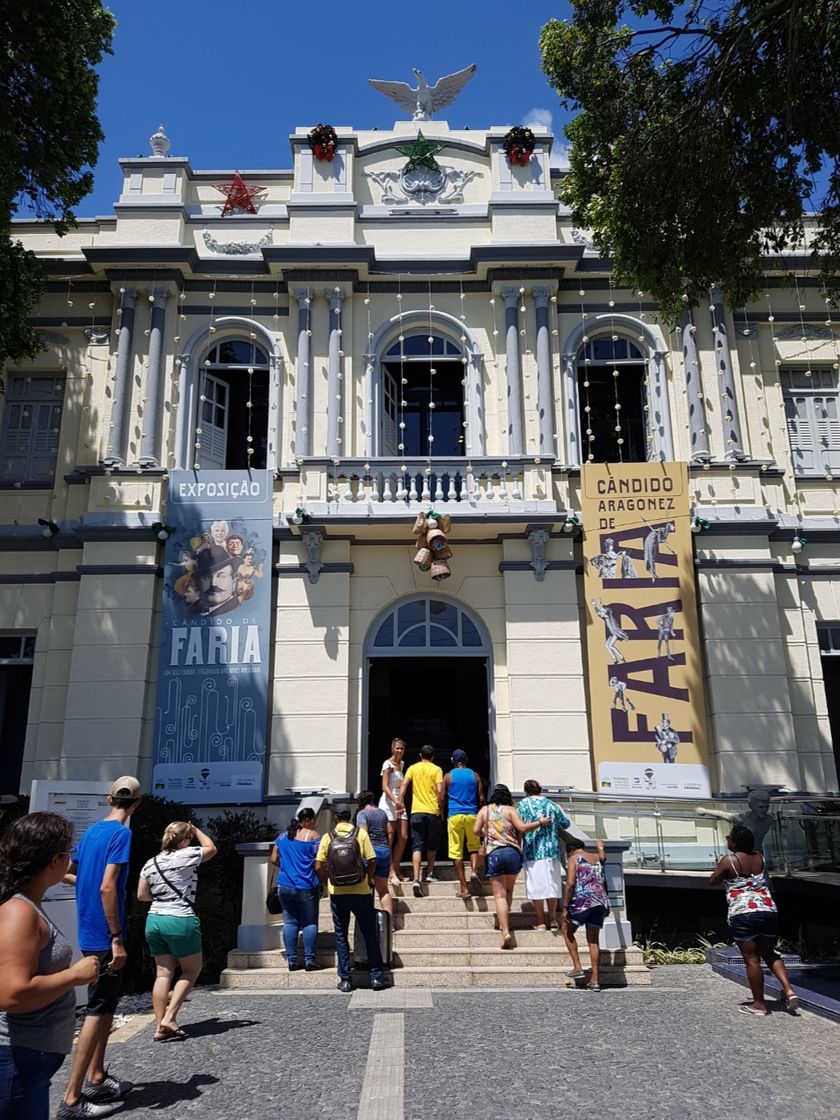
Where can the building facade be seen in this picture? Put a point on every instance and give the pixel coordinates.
(412, 324)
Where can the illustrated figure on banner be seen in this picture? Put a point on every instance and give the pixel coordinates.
(614, 631)
(220, 566)
(620, 697)
(611, 564)
(667, 740)
(665, 623)
(657, 536)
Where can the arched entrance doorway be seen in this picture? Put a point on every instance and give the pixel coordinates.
(428, 679)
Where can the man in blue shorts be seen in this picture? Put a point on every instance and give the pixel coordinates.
(99, 869)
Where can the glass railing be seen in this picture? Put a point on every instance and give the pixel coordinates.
(685, 836)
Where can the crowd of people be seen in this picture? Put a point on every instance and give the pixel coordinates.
(354, 861)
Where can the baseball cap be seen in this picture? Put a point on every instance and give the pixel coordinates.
(459, 756)
(126, 788)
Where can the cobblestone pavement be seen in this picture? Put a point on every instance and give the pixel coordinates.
(677, 1049)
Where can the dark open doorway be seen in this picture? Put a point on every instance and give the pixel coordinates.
(15, 687)
(438, 700)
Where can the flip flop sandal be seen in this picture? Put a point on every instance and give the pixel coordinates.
(792, 1005)
(745, 1009)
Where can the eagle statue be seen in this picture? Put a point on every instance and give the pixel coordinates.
(425, 99)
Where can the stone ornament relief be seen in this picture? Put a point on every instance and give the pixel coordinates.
(422, 185)
(237, 248)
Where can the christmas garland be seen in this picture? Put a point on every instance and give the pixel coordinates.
(323, 140)
(519, 144)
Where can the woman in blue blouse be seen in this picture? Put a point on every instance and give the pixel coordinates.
(543, 870)
(299, 888)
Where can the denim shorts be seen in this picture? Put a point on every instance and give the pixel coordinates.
(383, 862)
(504, 861)
(760, 926)
(594, 917)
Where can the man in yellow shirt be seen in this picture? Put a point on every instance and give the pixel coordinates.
(352, 898)
(426, 813)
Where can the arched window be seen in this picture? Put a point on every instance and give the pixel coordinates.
(612, 401)
(426, 624)
(231, 422)
(423, 397)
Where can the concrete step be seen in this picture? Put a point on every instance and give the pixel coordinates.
(442, 904)
(450, 889)
(513, 976)
(458, 918)
(420, 954)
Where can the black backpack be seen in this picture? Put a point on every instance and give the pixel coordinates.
(345, 866)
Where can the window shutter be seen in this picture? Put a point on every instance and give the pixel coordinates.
(214, 421)
(828, 430)
(31, 429)
(390, 412)
(801, 432)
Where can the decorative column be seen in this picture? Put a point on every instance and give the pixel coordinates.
(513, 371)
(117, 448)
(574, 452)
(303, 388)
(475, 440)
(334, 402)
(369, 411)
(659, 407)
(272, 450)
(150, 448)
(694, 389)
(545, 389)
(728, 400)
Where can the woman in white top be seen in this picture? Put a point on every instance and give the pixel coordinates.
(392, 776)
(173, 931)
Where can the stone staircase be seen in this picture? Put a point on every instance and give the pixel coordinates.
(442, 941)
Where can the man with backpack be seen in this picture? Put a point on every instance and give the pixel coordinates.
(346, 862)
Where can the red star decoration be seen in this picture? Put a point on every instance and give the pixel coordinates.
(239, 196)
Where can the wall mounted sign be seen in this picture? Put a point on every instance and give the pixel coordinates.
(647, 708)
(212, 693)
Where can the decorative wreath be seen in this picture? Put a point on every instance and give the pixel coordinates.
(519, 144)
(323, 141)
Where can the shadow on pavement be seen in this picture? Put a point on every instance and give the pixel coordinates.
(155, 1095)
(205, 1027)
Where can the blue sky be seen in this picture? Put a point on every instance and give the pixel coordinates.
(231, 80)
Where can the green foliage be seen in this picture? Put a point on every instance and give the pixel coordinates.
(657, 952)
(49, 138)
(702, 129)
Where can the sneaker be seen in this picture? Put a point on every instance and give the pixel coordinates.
(431, 877)
(312, 966)
(344, 986)
(83, 1110)
(379, 985)
(111, 1089)
(417, 887)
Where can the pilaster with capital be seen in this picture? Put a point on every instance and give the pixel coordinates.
(117, 443)
(513, 370)
(697, 429)
(574, 450)
(334, 380)
(659, 409)
(545, 387)
(303, 386)
(726, 379)
(150, 448)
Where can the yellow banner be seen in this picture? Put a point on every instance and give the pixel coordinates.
(648, 715)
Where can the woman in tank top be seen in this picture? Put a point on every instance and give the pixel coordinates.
(501, 828)
(753, 918)
(392, 776)
(37, 1001)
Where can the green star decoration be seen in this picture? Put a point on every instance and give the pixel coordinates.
(420, 153)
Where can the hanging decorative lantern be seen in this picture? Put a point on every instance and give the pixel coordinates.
(433, 549)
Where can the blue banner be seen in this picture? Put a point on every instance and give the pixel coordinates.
(212, 693)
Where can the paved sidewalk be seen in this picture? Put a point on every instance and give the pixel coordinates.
(676, 1050)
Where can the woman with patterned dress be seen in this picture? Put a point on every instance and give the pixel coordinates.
(585, 904)
(501, 829)
(541, 850)
(752, 917)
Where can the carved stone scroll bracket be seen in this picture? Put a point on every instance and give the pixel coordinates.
(312, 540)
(538, 539)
